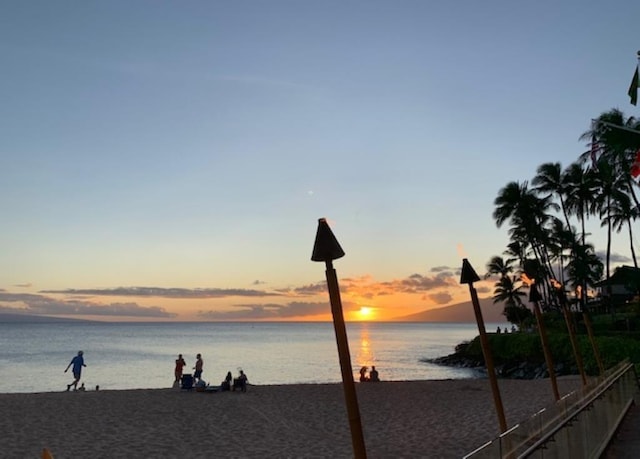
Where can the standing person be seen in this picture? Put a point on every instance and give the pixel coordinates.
(78, 363)
(180, 364)
(197, 375)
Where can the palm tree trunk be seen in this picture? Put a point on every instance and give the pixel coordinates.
(609, 287)
(633, 252)
(546, 349)
(592, 339)
(574, 343)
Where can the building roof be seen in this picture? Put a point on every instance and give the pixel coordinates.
(623, 275)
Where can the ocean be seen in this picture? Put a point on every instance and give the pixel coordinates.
(118, 356)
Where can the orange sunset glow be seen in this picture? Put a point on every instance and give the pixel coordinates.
(364, 299)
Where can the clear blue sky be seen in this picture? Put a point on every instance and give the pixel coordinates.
(194, 145)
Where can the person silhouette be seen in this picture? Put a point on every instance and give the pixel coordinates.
(78, 363)
(373, 374)
(180, 364)
(240, 382)
(197, 375)
(226, 384)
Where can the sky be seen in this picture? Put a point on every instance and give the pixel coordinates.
(170, 160)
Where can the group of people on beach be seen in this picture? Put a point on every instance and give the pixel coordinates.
(229, 382)
(197, 369)
(373, 374)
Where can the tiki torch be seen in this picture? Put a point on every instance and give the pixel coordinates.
(570, 328)
(535, 297)
(327, 249)
(469, 276)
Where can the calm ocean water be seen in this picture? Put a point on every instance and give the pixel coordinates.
(141, 355)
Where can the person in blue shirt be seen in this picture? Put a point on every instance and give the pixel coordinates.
(78, 363)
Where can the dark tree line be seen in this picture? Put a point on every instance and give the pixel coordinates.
(546, 219)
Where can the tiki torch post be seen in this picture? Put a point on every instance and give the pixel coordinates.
(327, 249)
(592, 338)
(534, 297)
(469, 276)
(572, 334)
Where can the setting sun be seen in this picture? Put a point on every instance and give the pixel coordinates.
(365, 313)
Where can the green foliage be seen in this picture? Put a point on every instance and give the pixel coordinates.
(517, 314)
(509, 348)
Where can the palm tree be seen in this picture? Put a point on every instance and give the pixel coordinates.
(527, 214)
(585, 268)
(508, 291)
(618, 140)
(622, 212)
(579, 190)
(607, 191)
(581, 187)
(561, 240)
(500, 266)
(551, 180)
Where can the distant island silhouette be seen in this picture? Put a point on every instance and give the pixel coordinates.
(31, 318)
(459, 313)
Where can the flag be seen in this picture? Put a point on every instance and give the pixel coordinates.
(633, 88)
(635, 167)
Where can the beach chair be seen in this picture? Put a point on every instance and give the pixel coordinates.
(186, 382)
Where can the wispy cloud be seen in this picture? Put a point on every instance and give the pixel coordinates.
(310, 289)
(158, 292)
(26, 303)
(269, 311)
(439, 287)
(440, 297)
(413, 284)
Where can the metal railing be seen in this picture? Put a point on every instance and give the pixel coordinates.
(581, 424)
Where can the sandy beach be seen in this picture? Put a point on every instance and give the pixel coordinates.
(414, 419)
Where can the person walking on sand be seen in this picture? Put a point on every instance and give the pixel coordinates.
(180, 364)
(197, 375)
(78, 363)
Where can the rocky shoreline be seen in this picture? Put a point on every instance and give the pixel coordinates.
(507, 370)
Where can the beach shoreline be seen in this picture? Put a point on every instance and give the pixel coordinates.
(434, 418)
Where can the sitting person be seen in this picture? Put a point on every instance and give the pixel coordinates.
(373, 374)
(363, 374)
(240, 382)
(226, 384)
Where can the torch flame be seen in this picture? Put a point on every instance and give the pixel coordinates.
(555, 284)
(527, 280)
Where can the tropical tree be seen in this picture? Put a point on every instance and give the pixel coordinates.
(500, 266)
(527, 215)
(508, 290)
(550, 180)
(615, 139)
(585, 268)
(623, 213)
(580, 188)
